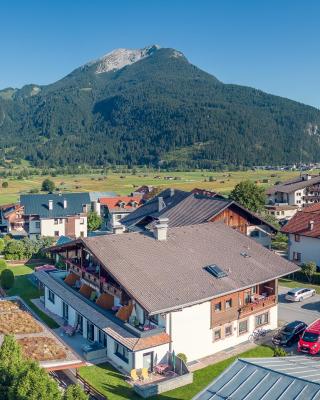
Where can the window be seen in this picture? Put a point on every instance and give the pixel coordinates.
(243, 327)
(228, 304)
(81, 221)
(216, 334)
(56, 233)
(262, 319)
(217, 307)
(80, 323)
(282, 212)
(37, 224)
(254, 233)
(228, 330)
(56, 221)
(102, 338)
(82, 234)
(296, 256)
(297, 238)
(121, 352)
(154, 319)
(90, 331)
(65, 311)
(51, 297)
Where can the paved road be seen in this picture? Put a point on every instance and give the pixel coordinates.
(306, 311)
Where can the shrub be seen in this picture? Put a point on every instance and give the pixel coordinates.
(5, 185)
(14, 250)
(2, 245)
(47, 186)
(3, 264)
(279, 352)
(182, 357)
(7, 279)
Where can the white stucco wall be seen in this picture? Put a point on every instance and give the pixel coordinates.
(193, 336)
(308, 247)
(48, 227)
(81, 227)
(55, 308)
(159, 354)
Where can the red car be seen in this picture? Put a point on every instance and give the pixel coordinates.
(310, 340)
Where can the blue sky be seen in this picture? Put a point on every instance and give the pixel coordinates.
(271, 45)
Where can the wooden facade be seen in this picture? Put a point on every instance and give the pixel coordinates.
(237, 305)
(234, 218)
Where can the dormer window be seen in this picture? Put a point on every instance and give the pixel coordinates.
(122, 204)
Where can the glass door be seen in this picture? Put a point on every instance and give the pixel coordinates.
(65, 311)
(148, 361)
(80, 323)
(90, 331)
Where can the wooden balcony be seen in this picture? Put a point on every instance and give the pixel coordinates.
(75, 269)
(92, 278)
(224, 317)
(108, 288)
(260, 304)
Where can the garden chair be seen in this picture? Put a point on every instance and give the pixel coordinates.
(134, 375)
(144, 373)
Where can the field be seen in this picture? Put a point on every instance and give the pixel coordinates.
(125, 183)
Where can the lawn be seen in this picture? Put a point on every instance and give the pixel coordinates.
(111, 383)
(27, 291)
(125, 183)
(294, 284)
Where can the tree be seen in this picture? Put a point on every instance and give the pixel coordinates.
(2, 245)
(94, 221)
(3, 264)
(74, 392)
(14, 250)
(7, 279)
(249, 195)
(33, 383)
(48, 186)
(309, 269)
(5, 185)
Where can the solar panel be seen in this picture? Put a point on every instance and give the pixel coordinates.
(216, 271)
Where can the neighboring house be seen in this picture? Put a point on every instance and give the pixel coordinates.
(143, 191)
(303, 231)
(56, 215)
(113, 209)
(299, 191)
(199, 206)
(95, 197)
(11, 219)
(282, 212)
(194, 289)
(287, 378)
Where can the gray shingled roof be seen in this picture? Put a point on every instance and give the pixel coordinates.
(284, 378)
(37, 204)
(184, 208)
(293, 185)
(89, 311)
(165, 275)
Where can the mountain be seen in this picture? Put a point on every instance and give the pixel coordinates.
(152, 106)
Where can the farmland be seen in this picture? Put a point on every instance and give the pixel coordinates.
(124, 183)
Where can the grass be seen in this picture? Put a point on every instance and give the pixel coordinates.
(27, 291)
(125, 183)
(290, 283)
(111, 383)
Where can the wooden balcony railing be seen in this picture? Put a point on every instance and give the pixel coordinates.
(258, 304)
(108, 288)
(92, 278)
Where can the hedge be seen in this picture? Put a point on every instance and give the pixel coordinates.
(301, 277)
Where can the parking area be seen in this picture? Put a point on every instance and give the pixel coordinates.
(306, 311)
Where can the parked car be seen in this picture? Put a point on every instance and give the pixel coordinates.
(300, 294)
(289, 333)
(310, 340)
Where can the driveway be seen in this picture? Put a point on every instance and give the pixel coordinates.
(306, 311)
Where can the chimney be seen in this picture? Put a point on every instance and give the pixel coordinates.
(161, 204)
(171, 192)
(50, 204)
(161, 229)
(65, 203)
(117, 229)
(311, 225)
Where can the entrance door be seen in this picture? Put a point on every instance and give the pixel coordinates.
(65, 311)
(148, 361)
(80, 323)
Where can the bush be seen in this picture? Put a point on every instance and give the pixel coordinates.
(14, 250)
(279, 352)
(7, 279)
(182, 357)
(2, 245)
(3, 264)
(47, 186)
(5, 185)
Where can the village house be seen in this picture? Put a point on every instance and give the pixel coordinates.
(113, 209)
(281, 212)
(199, 206)
(303, 231)
(299, 191)
(56, 215)
(195, 289)
(11, 220)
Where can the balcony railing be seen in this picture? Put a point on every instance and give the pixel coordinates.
(108, 288)
(91, 278)
(258, 304)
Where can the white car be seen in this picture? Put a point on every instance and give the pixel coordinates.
(299, 294)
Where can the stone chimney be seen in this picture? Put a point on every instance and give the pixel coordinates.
(65, 203)
(161, 229)
(50, 204)
(311, 225)
(117, 229)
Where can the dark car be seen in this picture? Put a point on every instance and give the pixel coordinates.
(289, 333)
